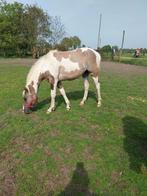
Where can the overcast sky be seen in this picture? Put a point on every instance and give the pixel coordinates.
(81, 18)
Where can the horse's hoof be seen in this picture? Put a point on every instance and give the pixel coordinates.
(99, 105)
(81, 103)
(48, 112)
(68, 109)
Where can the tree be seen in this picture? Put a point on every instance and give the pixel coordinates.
(66, 43)
(22, 27)
(106, 49)
(10, 26)
(106, 52)
(57, 30)
(116, 48)
(36, 27)
(27, 29)
(83, 45)
(76, 42)
(70, 43)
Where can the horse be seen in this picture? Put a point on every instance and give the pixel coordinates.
(57, 66)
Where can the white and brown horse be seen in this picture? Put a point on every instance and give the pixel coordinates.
(57, 66)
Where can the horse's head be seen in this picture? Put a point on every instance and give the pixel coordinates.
(30, 99)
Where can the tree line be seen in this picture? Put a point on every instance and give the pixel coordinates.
(29, 30)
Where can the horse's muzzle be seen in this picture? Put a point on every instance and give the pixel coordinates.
(27, 110)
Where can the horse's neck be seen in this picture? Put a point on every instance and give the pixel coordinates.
(33, 79)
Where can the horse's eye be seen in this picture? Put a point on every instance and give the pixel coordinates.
(25, 99)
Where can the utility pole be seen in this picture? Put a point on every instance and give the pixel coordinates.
(99, 32)
(122, 44)
(123, 38)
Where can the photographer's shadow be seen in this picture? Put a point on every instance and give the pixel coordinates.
(79, 184)
(135, 142)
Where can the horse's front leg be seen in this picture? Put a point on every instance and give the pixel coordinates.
(53, 96)
(62, 91)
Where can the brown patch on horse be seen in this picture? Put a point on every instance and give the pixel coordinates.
(32, 83)
(79, 57)
(60, 55)
(31, 88)
(86, 59)
(72, 55)
(30, 97)
(47, 76)
(25, 93)
(26, 90)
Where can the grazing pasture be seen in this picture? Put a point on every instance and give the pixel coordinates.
(134, 61)
(85, 151)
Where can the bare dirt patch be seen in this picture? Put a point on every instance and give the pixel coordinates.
(7, 184)
(7, 174)
(121, 68)
(105, 66)
(18, 61)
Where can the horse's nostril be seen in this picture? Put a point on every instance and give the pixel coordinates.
(27, 111)
(33, 107)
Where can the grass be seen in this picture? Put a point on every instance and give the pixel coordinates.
(127, 59)
(87, 150)
(134, 61)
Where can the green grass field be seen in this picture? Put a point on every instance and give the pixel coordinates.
(126, 58)
(88, 150)
(134, 61)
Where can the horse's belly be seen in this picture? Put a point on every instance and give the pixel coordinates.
(70, 75)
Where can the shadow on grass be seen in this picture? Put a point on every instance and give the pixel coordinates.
(76, 95)
(135, 142)
(79, 184)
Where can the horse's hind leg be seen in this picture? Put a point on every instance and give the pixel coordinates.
(86, 88)
(97, 84)
(62, 91)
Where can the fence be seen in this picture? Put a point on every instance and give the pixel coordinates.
(127, 58)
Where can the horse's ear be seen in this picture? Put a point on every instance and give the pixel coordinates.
(25, 91)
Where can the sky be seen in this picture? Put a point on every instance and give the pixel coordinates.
(81, 18)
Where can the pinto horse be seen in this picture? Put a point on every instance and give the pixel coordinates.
(57, 66)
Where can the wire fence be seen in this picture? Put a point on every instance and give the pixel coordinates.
(127, 58)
